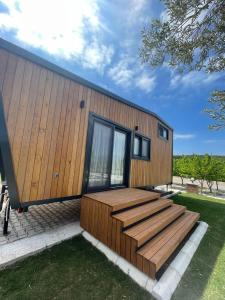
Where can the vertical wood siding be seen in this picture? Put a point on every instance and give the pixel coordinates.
(47, 131)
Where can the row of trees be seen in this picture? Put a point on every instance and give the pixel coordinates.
(200, 168)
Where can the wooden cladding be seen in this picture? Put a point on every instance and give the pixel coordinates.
(47, 130)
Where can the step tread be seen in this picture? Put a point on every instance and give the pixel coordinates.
(150, 227)
(138, 213)
(160, 248)
(123, 198)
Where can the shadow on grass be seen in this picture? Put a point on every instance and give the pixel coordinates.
(204, 278)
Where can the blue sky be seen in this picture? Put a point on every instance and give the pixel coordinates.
(100, 40)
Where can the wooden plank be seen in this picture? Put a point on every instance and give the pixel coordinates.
(110, 225)
(50, 176)
(164, 253)
(128, 248)
(48, 133)
(73, 94)
(76, 124)
(21, 116)
(79, 144)
(4, 55)
(123, 245)
(25, 144)
(34, 135)
(147, 229)
(66, 142)
(113, 246)
(7, 88)
(41, 137)
(122, 198)
(136, 214)
(81, 158)
(15, 100)
(118, 236)
(59, 141)
(133, 255)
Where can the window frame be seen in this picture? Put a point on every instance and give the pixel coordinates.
(140, 156)
(160, 126)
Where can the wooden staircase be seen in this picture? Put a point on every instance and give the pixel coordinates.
(139, 225)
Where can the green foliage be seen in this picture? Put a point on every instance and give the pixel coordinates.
(201, 168)
(217, 113)
(181, 167)
(190, 37)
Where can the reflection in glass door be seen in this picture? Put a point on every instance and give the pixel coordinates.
(100, 155)
(118, 160)
(108, 156)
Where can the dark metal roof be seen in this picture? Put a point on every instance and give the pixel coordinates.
(46, 64)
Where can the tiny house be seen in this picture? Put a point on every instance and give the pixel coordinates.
(62, 136)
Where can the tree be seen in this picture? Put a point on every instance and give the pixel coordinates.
(211, 172)
(181, 168)
(220, 171)
(200, 168)
(191, 37)
(218, 112)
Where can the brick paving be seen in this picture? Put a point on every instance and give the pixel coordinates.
(38, 219)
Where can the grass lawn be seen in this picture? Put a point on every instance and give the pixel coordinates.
(205, 276)
(76, 270)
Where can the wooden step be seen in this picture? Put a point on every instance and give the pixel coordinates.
(156, 252)
(136, 214)
(147, 229)
(123, 198)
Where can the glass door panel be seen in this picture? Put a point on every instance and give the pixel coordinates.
(100, 156)
(118, 158)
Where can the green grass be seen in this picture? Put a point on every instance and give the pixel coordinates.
(205, 276)
(76, 270)
(71, 270)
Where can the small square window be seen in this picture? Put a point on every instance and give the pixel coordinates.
(145, 148)
(137, 145)
(163, 132)
(141, 147)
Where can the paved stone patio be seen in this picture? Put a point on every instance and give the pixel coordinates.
(39, 219)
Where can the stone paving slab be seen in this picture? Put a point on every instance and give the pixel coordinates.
(23, 248)
(39, 219)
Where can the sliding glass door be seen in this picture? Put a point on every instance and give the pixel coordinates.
(100, 156)
(118, 158)
(109, 156)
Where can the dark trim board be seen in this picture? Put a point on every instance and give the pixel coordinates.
(48, 201)
(172, 159)
(7, 159)
(46, 64)
(2, 169)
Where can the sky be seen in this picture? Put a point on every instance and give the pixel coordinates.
(99, 40)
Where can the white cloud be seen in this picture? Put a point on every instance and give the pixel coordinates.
(217, 141)
(193, 78)
(59, 28)
(146, 83)
(135, 11)
(122, 74)
(97, 56)
(184, 136)
(127, 73)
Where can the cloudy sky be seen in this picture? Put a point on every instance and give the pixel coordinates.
(100, 40)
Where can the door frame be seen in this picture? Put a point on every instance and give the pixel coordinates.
(92, 118)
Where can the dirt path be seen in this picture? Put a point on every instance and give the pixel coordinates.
(177, 180)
